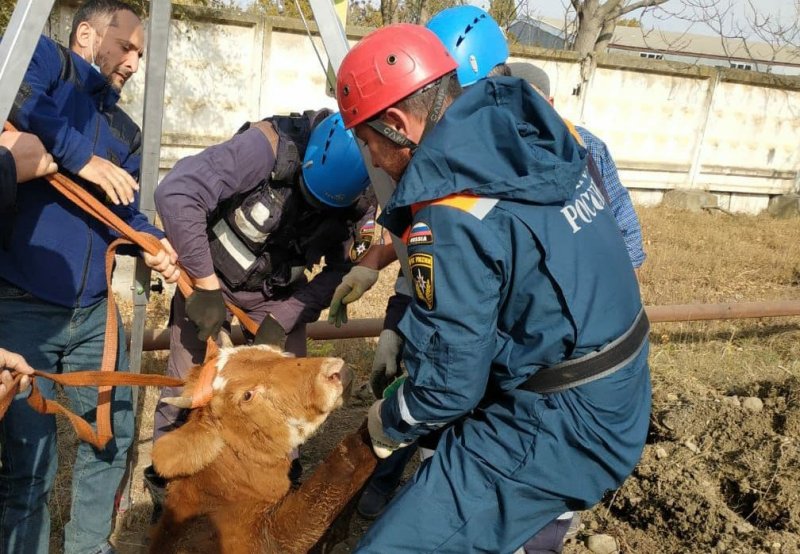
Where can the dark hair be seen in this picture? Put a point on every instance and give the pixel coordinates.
(500, 70)
(419, 104)
(94, 9)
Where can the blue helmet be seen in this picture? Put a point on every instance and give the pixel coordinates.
(333, 169)
(473, 38)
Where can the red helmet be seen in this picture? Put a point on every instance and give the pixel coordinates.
(386, 66)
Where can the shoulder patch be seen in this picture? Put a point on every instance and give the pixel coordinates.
(362, 241)
(421, 266)
(420, 234)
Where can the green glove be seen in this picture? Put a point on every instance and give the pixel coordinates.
(358, 281)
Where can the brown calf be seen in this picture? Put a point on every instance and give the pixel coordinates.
(228, 465)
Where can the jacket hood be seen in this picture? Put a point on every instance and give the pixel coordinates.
(499, 139)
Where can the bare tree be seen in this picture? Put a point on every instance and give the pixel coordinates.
(589, 26)
(749, 34)
(595, 22)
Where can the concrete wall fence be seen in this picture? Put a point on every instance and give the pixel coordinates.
(731, 132)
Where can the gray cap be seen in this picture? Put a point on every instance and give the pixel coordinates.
(533, 74)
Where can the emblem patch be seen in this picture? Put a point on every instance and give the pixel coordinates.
(363, 241)
(422, 274)
(420, 234)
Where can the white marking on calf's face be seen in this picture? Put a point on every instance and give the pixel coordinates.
(301, 429)
(305, 407)
(225, 354)
(270, 348)
(329, 386)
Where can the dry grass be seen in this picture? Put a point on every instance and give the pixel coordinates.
(707, 257)
(713, 257)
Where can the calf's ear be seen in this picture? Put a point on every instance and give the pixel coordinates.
(188, 449)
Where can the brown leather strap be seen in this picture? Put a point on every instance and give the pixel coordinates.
(82, 379)
(100, 438)
(149, 244)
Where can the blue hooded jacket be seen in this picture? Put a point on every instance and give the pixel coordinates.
(528, 272)
(57, 251)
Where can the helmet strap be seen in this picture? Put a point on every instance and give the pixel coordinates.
(393, 135)
(436, 112)
(434, 115)
(309, 198)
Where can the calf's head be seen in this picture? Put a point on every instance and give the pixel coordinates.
(263, 403)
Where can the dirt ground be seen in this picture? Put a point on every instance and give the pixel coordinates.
(721, 468)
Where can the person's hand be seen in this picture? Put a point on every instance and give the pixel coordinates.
(117, 183)
(30, 157)
(10, 361)
(385, 363)
(382, 445)
(165, 262)
(206, 309)
(270, 332)
(353, 286)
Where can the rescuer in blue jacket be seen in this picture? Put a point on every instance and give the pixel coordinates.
(527, 334)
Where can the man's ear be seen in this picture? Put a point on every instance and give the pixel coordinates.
(404, 123)
(84, 35)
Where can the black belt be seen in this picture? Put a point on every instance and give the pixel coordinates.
(595, 365)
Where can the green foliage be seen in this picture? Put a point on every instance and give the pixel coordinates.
(363, 14)
(6, 9)
(435, 6)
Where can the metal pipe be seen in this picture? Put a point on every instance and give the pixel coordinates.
(158, 339)
(736, 310)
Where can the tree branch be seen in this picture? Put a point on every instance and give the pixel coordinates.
(624, 9)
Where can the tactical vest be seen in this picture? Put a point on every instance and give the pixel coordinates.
(265, 238)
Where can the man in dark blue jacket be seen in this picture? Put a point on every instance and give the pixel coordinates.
(52, 273)
(526, 335)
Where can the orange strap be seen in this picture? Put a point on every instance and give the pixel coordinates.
(149, 244)
(81, 379)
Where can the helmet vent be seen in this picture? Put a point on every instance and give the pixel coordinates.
(328, 142)
(346, 90)
(391, 59)
(469, 28)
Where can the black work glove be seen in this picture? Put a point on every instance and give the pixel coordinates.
(270, 332)
(206, 309)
